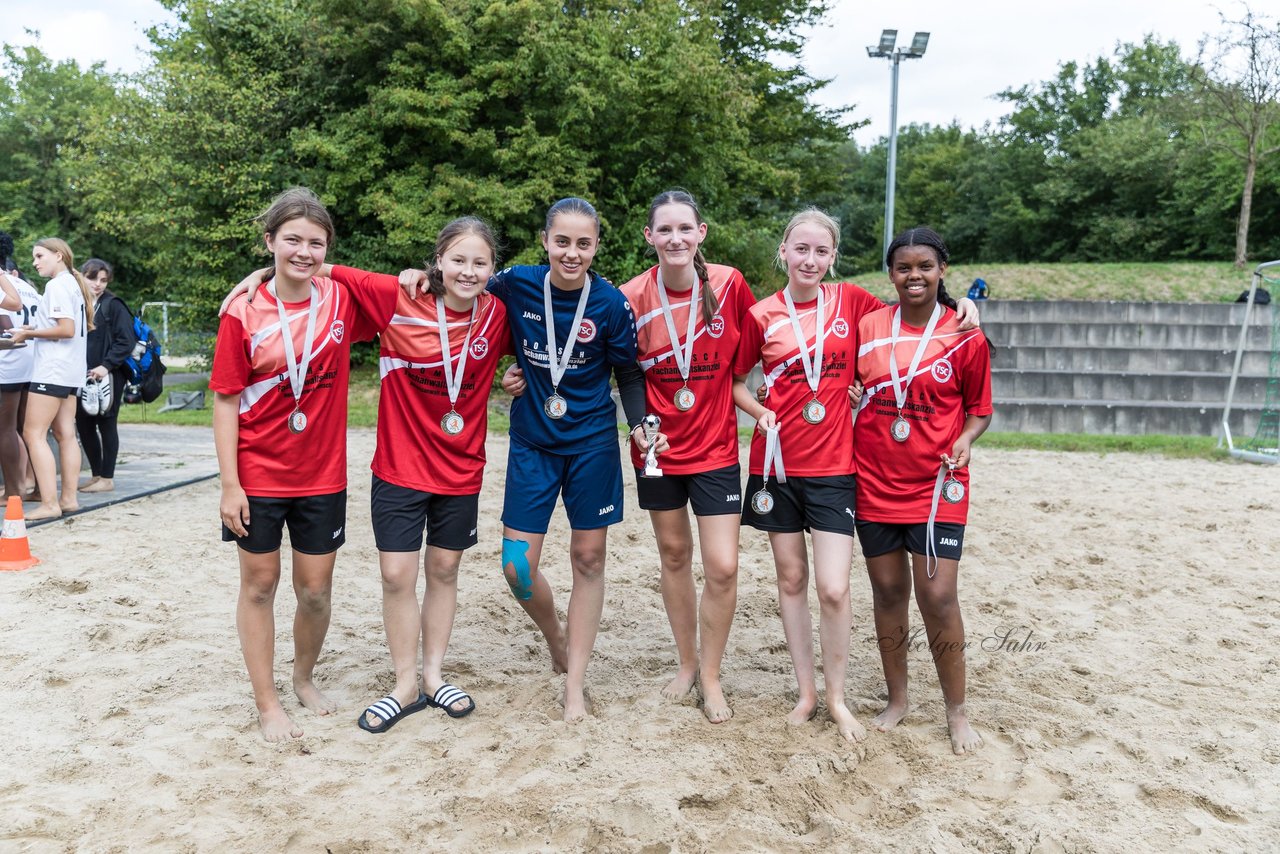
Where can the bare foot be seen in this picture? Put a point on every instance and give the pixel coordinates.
(311, 697)
(559, 646)
(45, 511)
(576, 706)
(964, 738)
(276, 726)
(714, 706)
(890, 717)
(99, 484)
(680, 685)
(69, 508)
(803, 712)
(850, 729)
(90, 482)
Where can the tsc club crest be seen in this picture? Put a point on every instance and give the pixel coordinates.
(716, 327)
(337, 330)
(942, 370)
(840, 327)
(587, 331)
(480, 348)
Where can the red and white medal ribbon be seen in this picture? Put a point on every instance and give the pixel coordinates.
(812, 367)
(683, 354)
(452, 422)
(558, 365)
(899, 386)
(296, 372)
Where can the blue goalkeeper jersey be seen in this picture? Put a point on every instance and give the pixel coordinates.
(607, 338)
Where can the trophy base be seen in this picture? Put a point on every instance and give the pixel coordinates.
(651, 471)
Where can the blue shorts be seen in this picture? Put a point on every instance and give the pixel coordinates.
(591, 483)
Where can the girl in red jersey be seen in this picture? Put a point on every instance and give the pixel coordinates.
(927, 399)
(438, 356)
(279, 426)
(689, 316)
(801, 473)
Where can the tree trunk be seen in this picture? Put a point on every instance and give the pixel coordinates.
(1246, 206)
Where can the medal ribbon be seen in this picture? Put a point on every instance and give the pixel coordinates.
(773, 456)
(297, 373)
(812, 368)
(682, 355)
(452, 380)
(557, 365)
(930, 550)
(899, 387)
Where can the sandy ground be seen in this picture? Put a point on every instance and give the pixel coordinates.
(1123, 668)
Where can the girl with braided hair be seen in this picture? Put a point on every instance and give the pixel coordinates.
(926, 400)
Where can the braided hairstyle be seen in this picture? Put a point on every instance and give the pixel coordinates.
(710, 305)
(923, 236)
(455, 230)
(7, 262)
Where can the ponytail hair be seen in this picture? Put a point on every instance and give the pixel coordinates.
(922, 236)
(454, 231)
(710, 305)
(59, 246)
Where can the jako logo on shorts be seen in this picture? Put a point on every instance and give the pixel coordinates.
(604, 510)
(948, 541)
(337, 330)
(941, 370)
(716, 327)
(479, 348)
(840, 327)
(587, 331)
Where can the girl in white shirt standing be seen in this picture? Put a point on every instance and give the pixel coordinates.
(58, 332)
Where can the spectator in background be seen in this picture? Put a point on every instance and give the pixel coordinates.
(15, 374)
(107, 346)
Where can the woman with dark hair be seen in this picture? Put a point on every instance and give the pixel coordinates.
(106, 348)
(15, 376)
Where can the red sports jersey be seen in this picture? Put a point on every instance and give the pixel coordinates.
(249, 360)
(808, 450)
(414, 451)
(705, 437)
(896, 479)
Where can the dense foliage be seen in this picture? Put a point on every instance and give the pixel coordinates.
(405, 113)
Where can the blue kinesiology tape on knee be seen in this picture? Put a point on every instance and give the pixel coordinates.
(516, 553)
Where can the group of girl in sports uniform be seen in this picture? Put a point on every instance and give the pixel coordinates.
(680, 340)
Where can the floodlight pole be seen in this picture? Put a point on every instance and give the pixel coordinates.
(886, 50)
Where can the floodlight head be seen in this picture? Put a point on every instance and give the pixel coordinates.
(918, 44)
(887, 39)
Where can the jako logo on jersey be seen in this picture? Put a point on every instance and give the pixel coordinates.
(337, 330)
(480, 348)
(587, 334)
(604, 510)
(948, 541)
(941, 370)
(716, 327)
(840, 327)
(529, 315)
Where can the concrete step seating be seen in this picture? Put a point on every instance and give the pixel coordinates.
(1125, 367)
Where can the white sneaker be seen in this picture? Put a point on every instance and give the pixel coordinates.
(104, 395)
(90, 402)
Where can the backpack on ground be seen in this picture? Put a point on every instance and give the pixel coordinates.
(146, 371)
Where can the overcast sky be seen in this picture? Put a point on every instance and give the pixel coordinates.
(976, 49)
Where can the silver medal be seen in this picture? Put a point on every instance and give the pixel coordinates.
(684, 399)
(814, 411)
(452, 423)
(762, 502)
(901, 429)
(555, 406)
(297, 421)
(953, 490)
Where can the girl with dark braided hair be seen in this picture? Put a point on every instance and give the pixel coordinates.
(926, 400)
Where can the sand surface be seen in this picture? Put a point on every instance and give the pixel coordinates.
(1124, 668)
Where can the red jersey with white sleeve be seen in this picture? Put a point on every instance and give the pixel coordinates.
(953, 380)
(704, 438)
(414, 451)
(249, 360)
(808, 450)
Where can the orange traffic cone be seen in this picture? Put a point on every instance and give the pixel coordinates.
(15, 553)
